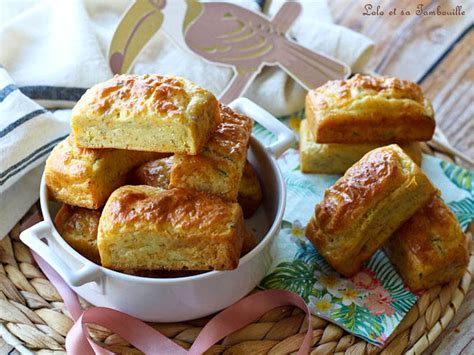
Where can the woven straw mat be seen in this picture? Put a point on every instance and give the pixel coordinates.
(33, 318)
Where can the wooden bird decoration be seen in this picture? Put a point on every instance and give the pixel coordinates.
(226, 34)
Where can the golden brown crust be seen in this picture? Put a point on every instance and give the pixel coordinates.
(368, 180)
(250, 192)
(367, 109)
(218, 168)
(162, 95)
(145, 112)
(153, 173)
(413, 150)
(430, 248)
(342, 92)
(78, 227)
(336, 158)
(157, 173)
(147, 228)
(86, 177)
(363, 208)
(175, 207)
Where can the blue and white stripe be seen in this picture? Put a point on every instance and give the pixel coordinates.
(7, 90)
(53, 93)
(29, 131)
(53, 97)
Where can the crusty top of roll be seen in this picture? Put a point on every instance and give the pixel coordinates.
(168, 97)
(231, 134)
(69, 163)
(433, 232)
(373, 178)
(341, 94)
(179, 208)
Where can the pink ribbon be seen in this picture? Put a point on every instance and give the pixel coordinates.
(149, 340)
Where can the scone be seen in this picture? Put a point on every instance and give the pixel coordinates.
(365, 206)
(86, 177)
(218, 168)
(145, 112)
(153, 173)
(157, 173)
(430, 248)
(250, 191)
(336, 158)
(78, 227)
(367, 109)
(148, 228)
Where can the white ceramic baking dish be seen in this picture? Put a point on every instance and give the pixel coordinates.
(184, 298)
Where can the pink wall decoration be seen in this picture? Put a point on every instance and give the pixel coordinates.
(224, 34)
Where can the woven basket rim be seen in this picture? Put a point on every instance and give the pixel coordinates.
(455, 302)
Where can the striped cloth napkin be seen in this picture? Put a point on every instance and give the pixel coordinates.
(54, 50)
(28, 132)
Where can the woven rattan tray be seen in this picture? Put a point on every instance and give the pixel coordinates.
(34, 319)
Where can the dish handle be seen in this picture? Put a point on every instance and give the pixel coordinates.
(33, 237)
(285, 136)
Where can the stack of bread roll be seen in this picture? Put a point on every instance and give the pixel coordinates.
(384, 199)
(154, 176)
(347, 119)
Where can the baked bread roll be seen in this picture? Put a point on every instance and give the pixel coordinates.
(78, 227)
(250, 191)
(145, 112)
(147, 228)
(157, 173)
(430, 248)
(218, 168)
(336, 158)
(365, 206)
(367, 109)
(86, 177)
(153, 173)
